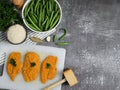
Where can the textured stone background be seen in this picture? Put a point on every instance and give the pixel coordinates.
(94, 28)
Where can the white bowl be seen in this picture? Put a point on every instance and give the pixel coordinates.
(44, 32)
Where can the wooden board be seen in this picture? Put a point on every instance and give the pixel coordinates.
(43, 51)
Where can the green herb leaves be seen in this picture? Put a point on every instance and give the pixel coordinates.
(13, 62)
(48, 65)
(8, 15)
(32, 64)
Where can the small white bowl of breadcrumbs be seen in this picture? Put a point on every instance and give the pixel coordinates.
(16, 34)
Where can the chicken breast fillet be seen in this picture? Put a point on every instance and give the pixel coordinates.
(14, 65)
(31, 66)
(48, 68)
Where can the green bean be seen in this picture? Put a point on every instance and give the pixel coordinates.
(31, 10)
(43, 15)
(29, 6)
(56, 21)
(41, 27)
(56, 7)
(45, 21)
(30, 25)
(36, 6)
(47, 25)
(43, 2)
(51, 16)
(34, 19)
(40, 16)
(38, 9)
(63, 36)
(30, 16)
(25, 11)
(63, 43)
(55, 16)
(35, 16)
(34, 24)
(50, 6)
(48, 13)
(54, 38)
(47, 8)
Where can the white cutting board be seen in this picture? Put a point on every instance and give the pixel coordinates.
(43, 51)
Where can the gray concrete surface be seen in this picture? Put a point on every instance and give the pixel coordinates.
(94, 28)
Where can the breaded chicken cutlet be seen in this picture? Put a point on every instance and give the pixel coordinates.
(14, 65)
(48, 69)
(31, 66)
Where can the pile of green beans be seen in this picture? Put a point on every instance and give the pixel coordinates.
(42, 15)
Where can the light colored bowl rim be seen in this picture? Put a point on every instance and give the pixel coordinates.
(41, 31)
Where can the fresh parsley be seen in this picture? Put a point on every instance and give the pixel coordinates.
(8, 15)
(48, 65)
(32, 64)
(13, 62)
